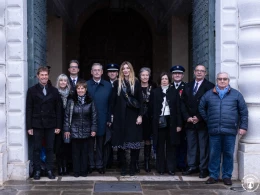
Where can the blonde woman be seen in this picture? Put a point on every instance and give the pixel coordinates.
(127, 116)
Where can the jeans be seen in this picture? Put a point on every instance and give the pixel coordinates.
(221, 144)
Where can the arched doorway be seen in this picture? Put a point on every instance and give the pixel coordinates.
(110, 36)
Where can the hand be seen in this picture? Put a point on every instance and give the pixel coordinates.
(242, 132)
(190, 120)
(93, 134)
(109, 124)
(139, 120)
(30, 131)
(195, 119)
(178, 129)
(57, 131)
(67, 135)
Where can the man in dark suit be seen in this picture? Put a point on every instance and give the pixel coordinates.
(181, 149)
(100, 91)
(196, 128)
(43, 119)
(73, 77)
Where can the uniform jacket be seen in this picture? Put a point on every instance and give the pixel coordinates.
(224, 116)
(190, 103)
(101, 96)
(43, 111)
(84, 119)
(173, 100)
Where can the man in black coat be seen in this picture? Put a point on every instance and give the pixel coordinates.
(43, 119)
(196, 128)
(73, 77)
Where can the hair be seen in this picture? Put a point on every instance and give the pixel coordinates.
(163, 74)
(97, 64)
(145, 69)
(83, 84)
(42, 69)
(74, 61)
(223, 73)
(131, 77)
(200, 65)
(62, 77)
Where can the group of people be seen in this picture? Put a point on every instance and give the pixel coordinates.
(189, 124)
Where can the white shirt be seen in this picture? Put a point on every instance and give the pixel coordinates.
(76, 79)
(199, 83)
(177, 84)
(97, 81)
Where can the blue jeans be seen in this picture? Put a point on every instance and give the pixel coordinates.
(221, 144)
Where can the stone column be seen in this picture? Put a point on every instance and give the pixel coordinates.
(226, 28)
(249, 84)
(16, 82)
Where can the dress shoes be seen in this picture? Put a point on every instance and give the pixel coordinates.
(83, 174)
(160, 172)
(101, 171)
(227, 181)
(190, 171)
(50, 175)
(203, 173)
(76, 175)
(37, 175)
(171, 172)
(90, 170)
(211, 180)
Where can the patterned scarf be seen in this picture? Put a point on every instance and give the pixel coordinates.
(81, 99)
(64, 95)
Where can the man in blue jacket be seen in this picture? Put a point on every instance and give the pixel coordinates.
(100, 91)
(225, 112)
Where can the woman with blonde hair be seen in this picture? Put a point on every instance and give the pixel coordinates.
(126, 109)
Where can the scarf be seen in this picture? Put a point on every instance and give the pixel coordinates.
(64, 94)
(81, 99)
(222, 92)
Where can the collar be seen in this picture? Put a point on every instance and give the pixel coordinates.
(199, 82)
(76, 78)
(215, 89)
(42, 86)
(97, 81)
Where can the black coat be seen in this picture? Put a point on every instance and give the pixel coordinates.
(173, 100)
(190, 103)
(84, 119)
(72, 88)
(124, 124)
(43, 111)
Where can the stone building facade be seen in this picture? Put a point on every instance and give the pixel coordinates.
(237, 51)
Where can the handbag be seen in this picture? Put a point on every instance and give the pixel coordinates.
(162, 120)
(67, 140)
(130, 100)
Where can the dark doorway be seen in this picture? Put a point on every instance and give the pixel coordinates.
(113, 36)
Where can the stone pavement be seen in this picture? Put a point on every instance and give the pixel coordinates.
(113, 184)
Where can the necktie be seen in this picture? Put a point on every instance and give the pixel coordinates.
(176, 86)
(195, 88)
(44, 91)
(74, 82)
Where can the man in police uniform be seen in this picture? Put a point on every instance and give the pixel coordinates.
(181, 150)
(112, 72)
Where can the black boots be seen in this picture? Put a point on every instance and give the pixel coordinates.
(133, 161)
(122, 161)
(137, 168)
(62, 167)
(147, 155)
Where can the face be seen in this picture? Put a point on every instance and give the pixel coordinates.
(164, 80)
(63, 83)
(200, 73)
(177, 76)
(96, 72)
(81, 90)
(43, 77)
(74, 68)
(222, 81)
(112, 75)
(144, 76)
(126, 70)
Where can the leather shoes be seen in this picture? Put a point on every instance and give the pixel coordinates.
(76, 175)
(227, 181)
(83, 174)
(171, 173)
(37, 175)
(161, 173)
(190, 171)
(90, 170)
(50, 174)
(101, 171)
(211, 180)
(203, 173)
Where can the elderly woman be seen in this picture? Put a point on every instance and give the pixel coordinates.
(80, 122)
(126, 109)
(165, 104)
(61, 148)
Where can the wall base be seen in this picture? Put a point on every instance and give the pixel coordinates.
(18, 171)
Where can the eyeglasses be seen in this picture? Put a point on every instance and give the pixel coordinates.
(222, 79)
(200, 70)
(73, 67)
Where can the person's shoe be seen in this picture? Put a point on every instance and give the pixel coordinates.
(101, 171)
(161, 172)
(76, 175)
(203, 173)
(83, 174)
(50, 175)
(190, 171)
(60, 171)
(90, 170)
(211, 180)
(123, 172)
(171, 173)
(37, 175)
(227, 181)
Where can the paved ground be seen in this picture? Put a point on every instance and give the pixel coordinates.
(113, 184)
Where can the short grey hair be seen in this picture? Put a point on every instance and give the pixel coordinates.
(145, 69)
(97, 64)
(223, 73)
